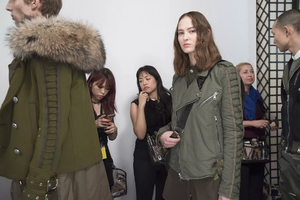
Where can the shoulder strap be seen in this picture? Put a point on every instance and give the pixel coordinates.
(187, 109)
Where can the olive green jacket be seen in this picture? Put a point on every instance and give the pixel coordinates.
(211, 142)
(47, 125)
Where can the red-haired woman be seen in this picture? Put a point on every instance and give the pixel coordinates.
(102, 87)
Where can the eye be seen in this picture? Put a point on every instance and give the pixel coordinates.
(180, 33)
(193, 31)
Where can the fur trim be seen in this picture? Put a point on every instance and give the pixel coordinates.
(60, 40)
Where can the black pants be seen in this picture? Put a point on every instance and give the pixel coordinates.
(108, 169)
(146, 176)
(252, 180)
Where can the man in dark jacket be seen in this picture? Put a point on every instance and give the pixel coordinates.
(286, 31)
(48, 139)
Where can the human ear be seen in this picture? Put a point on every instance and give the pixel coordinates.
(288, 30)
(209, 31)
(35, 4)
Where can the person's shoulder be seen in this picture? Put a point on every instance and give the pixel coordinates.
(225, 66)
(136, 101)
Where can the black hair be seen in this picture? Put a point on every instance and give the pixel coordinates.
(162, 93)
(290, 17)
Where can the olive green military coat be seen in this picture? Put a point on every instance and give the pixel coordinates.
(47, 125)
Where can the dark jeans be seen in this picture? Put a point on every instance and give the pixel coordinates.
(200, 189)
(146, 177)
(252, 180)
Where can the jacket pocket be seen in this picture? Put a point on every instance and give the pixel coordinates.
(217, 133)
(213, 97)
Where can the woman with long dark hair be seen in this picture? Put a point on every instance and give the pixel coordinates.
(206, 118)
(149, 112)
(102, 87)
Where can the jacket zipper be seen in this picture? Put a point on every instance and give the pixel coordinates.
(296, 78)
(214, 96)
(288, 121)
(217, 132)
(179, 167)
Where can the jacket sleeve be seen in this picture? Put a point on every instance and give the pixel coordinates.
(233, 131)
(161, 131)
(52, 121)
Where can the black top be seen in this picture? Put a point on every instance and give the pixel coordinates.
(102, 136)
(156, 117)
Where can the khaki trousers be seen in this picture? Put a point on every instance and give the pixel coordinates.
(86, 184)
(201, 189)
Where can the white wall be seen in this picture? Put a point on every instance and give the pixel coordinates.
(140, 32)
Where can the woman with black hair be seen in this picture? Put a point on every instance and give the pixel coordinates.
(149, 112)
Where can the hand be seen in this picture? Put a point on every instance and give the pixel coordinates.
(273, 126)
(168, 142)
(260, 123)
(223, 198)
(102, 122)
(110, 128)
(143, 98)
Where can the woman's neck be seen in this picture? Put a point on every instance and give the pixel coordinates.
(192, 59)
(95, 101)
(153, 95)
(247, 88)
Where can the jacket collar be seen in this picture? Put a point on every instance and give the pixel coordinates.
(60, 40)
(296, 56)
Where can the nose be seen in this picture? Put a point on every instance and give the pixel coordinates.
(185, 36)
(102, 90)
(8, 6)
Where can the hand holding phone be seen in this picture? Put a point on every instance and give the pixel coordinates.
(110, 116)
(174, 135)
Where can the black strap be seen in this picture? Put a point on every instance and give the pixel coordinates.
(187, 109)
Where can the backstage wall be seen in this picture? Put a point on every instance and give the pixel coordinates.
(140, 32)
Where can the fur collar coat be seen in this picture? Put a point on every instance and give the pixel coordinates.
(60, 40)
(47, 125)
